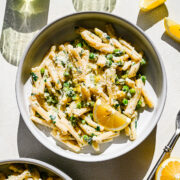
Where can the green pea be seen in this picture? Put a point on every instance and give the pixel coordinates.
(91, 115)
(66, 84)
(125, 88)
(74, 97)
(143, 61)
(83, 121)
(66, 74)
(85, 137)
(139, 104)
(132, 91)
(125, 101)
(91, 56)
(143, 78)
(42, 71)
(109, 56)
(79, 45)
(118, 52)
(79, 105)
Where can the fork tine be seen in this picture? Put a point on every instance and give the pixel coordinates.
(178, 120)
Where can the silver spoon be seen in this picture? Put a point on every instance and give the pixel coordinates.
(168, 148)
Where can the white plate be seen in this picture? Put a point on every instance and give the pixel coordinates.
(62, 30)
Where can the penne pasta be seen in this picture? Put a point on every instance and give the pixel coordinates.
(97, 67)
(22, 171)
(147, 99)
(132, 103)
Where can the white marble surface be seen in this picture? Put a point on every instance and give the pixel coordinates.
(17, 141)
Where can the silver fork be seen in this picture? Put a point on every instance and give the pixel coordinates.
(168, 148)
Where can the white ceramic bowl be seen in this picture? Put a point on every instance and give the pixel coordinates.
(63, 30)
(40, 164)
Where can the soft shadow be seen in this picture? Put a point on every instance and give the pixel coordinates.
(132, 165)
(148, 19)
(170, 41)
(94, 5)
(22, 20)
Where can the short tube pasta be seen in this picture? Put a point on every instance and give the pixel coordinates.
(73, 76)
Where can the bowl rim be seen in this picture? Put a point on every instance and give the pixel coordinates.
(38, 163)
(90, 158)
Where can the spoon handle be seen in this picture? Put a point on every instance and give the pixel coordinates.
(167, 149)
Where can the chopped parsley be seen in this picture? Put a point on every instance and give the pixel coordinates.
(88, 139)
(34, 76)
(136, 124)
(89, 104)
(51, 99)
(67, 84)
(63, 63)
(107, 37)
(119, 81)
(66, 74)
(73, 120)
(70, 93)
(52, 117)
(98, 128)
(120, 63)
(108, 63)
(116, 105)
(118, 52)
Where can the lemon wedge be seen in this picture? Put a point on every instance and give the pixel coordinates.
(147, 5)
(169, 169)
(172, 29)
(108, 117)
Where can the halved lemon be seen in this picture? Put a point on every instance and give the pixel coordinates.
(108, 117)
(172, 29)
(147, 5)
(169, 169)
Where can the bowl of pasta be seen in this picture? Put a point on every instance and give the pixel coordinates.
(91, 86)
(26, 168)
